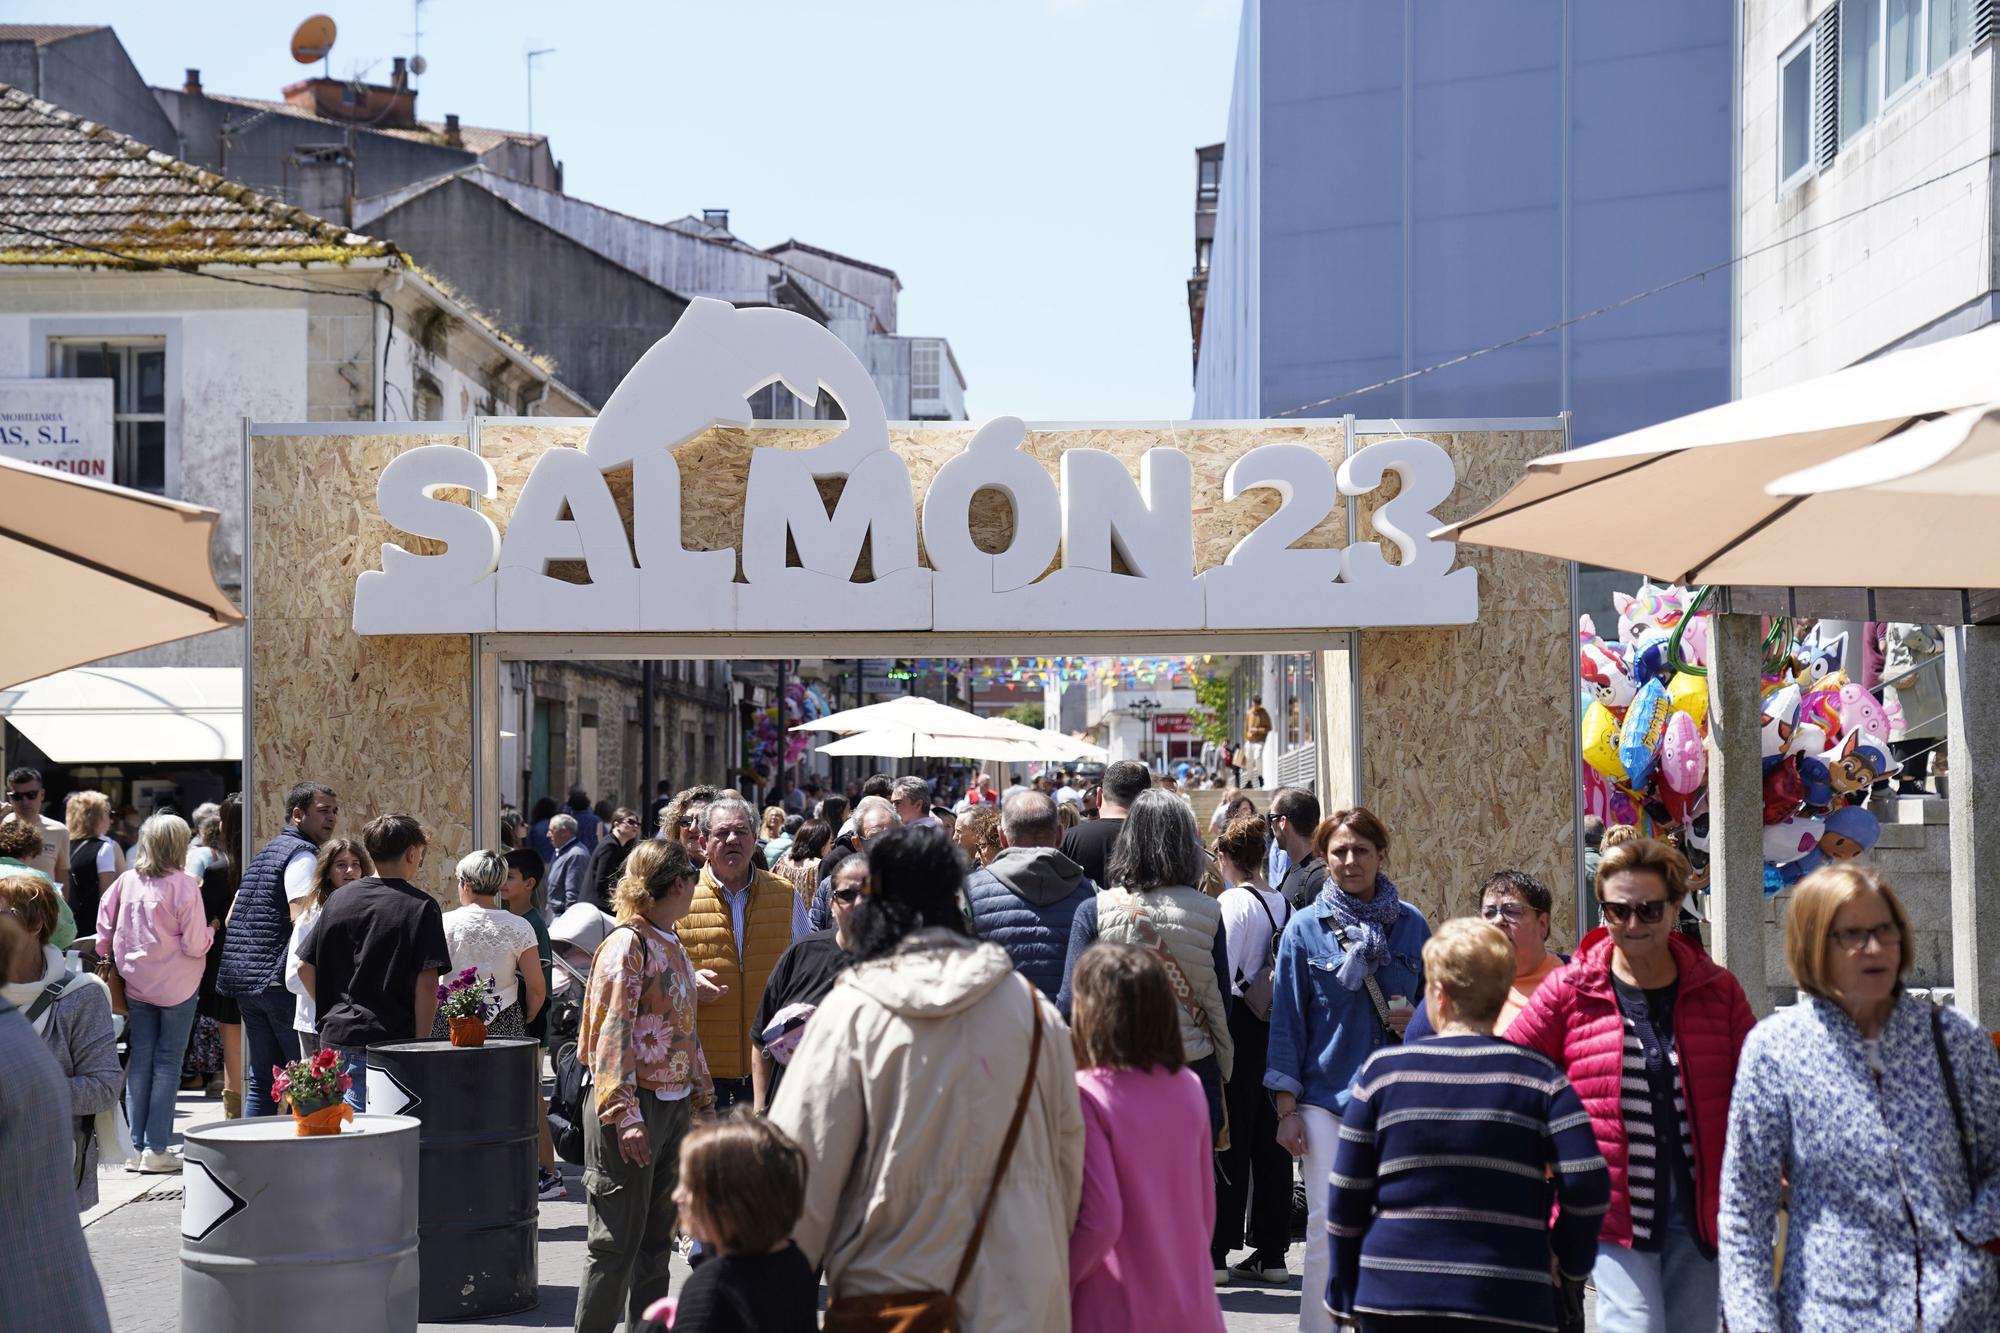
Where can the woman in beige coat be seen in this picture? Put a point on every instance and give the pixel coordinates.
(901, 1091)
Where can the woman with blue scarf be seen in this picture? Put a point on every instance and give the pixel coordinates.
(1349, 966)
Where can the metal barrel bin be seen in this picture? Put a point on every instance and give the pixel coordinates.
(476, 1197)
(269, 1218)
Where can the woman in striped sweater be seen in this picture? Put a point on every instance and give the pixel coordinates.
(1440, 1212)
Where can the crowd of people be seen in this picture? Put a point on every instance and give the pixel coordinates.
(1041, 1062)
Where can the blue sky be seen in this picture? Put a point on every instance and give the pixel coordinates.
(1026, 166)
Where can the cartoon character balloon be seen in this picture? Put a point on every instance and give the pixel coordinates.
(1683, 760)
(1791, 838)
(1780, 719)
(1605, 678)
(1600, 742)
(1654, 609)
(1639, 739)
(1859, 712)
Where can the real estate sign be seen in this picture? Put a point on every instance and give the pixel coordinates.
(60, 424)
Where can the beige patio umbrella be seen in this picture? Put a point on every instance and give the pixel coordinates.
(1685, 500)
(1929, 500)
(122, 570)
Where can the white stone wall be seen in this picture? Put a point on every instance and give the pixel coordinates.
(242, 352)
(1840, 292)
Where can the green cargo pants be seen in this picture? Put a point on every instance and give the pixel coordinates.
(632, 1216)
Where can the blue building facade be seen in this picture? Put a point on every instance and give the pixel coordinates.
(1407, 181)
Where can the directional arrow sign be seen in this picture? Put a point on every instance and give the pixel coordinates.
(389, 1095)
(206, 1203)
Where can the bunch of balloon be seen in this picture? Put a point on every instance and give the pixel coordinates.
(1645, 736)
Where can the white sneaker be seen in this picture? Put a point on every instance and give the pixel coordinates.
(155, 1163)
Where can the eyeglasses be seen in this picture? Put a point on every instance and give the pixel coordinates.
(845, 896)
(1650, 913)
(34, 795)
(1855, 938)
(628, 823)
(1512, 911)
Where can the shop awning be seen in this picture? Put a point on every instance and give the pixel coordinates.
(131, 715)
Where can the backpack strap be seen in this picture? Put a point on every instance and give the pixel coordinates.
(1270, 954)
(53, 992)
(1006, 1144)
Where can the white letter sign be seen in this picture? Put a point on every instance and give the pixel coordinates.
(1121, 545)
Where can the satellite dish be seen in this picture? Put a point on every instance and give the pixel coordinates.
(313, 39)
(418, 65)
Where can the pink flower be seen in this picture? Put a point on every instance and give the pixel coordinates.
(649, 1038)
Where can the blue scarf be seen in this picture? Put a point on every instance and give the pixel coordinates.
(1367, 926)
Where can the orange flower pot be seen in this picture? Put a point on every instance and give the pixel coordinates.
(317, 1119)
(467, 1031)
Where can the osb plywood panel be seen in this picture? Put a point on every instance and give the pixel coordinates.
(385, 721)
(1466, 732)
(715, 472)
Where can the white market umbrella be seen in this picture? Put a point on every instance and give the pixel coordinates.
(910, 713)
(1053, 745)
(129, 570)
(1686, 500)
(1929, 499)
(892, 744)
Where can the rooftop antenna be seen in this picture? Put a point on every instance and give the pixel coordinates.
(542, 51)
(417, 62)
(313, 40)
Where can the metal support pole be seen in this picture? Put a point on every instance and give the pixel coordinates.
(1972, 721)
(649, 748)
(1736, 802)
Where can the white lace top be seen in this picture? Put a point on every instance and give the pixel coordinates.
(490, 939)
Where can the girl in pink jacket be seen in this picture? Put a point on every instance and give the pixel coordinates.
(1139, 1259)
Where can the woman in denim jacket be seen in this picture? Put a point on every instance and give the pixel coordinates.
(1355, 940)
(1844, 1095)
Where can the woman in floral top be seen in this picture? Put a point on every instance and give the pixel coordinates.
(638, 1037)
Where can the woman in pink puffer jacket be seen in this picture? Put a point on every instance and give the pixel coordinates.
(1648, 1029)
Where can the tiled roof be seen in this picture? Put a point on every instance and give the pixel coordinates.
(474, 138)
(43, 34)
(72, 190)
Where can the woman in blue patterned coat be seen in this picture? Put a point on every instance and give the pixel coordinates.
(1848, 1094)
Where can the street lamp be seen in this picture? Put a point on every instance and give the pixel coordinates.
(1145, 708)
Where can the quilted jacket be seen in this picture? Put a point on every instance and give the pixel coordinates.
(1025, 902)
(1574, 1019)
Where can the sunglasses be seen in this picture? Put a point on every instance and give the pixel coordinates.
(34, 795)
(845, 896)
(1511, 911)
(1650, 913)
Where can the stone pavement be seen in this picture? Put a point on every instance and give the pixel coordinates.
(134, 1237)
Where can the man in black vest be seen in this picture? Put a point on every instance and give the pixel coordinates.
(275, 884)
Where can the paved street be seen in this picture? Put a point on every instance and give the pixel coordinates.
(134, 1237)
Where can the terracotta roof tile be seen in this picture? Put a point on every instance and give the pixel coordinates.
(70, 190)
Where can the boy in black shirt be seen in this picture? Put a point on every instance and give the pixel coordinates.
(372, 962)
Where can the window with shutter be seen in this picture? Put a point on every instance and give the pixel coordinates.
(1795, 113)
(1826, 91)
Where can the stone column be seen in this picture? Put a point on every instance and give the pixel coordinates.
(1736, 802)
(1972, 720)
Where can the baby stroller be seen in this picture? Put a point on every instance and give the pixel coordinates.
(573, 941)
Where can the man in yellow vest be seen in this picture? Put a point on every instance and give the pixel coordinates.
(741, 920)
